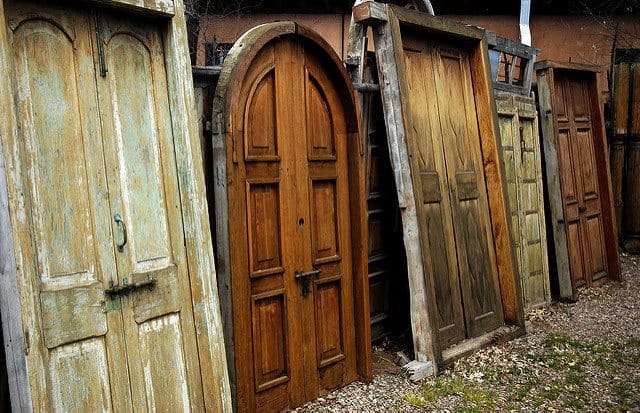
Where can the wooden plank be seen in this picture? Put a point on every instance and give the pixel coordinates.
(198, 241)
(434, 24)
(390, 61)
(546, 97)
(369, 12)
(16, 344)
(160, 7)
(604, 181)
(510, 288)
(552, 64)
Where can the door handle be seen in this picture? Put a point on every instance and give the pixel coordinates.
(582, 208)
(126, 288)
(304, 277)
(121, 239)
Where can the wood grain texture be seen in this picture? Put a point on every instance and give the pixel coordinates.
(315, 215)
(578, 177)
(402, 73)
(200, 259)
(520, 150)
(88, 343)
(390, 63)
(10, 281)
(167, 8)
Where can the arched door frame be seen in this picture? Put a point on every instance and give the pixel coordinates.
(226, 133)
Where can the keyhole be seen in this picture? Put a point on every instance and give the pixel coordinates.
(301, 222)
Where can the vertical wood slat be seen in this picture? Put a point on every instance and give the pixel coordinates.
(549, 75)
(517, 111)
(16, 346)
(631, 179)
(389, 74)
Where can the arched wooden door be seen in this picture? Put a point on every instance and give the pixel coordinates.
(294, 181)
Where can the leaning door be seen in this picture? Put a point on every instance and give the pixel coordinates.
(145, 216)
(461, 143)
(580, 192)
(328, 323)
(290, 249)
(77, 349)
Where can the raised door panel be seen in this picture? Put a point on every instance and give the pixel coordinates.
(594, 262)
(534, 257)
(80, 337)
(266, 224)
(474, 239)
(432, 186)
(146, 217)
(329, 219)
(569, 181)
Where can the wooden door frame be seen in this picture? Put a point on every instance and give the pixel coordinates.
(387, 21)
(18, 323)
(225, 104)
(546, 72)
(513, 105)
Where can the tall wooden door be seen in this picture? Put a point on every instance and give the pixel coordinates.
(104, 226)
(291, 251)
(579, 179)
(454, 211)
(520, 148)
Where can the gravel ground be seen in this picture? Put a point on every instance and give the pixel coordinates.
(575, 357)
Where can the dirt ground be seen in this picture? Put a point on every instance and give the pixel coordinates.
(583, 356)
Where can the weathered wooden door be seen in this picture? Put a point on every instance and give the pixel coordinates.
(291, 250)
(453, 211)
(579, 179)
(520, 146)
(109, 270)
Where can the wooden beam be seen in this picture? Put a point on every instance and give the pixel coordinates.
(15, 344)
(198, 242)
(165, 8)
(510, 287)
(546, 97)
(369, 12)
(390, 68)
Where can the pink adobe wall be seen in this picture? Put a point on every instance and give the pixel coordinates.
(580, 39)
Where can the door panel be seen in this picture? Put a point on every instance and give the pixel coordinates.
(454, 209)
(435, 196)
(474, 245)
(81, 342)
(580, 189)
(291, 269)
(143, 191)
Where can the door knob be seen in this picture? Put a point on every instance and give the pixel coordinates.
(304, 278)
(121, 238)
(582, 208)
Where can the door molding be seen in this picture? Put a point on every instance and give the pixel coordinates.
(18, 320)
(388, 23)
(546, 74)
(225, 103)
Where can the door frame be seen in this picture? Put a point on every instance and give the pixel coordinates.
(19, 324)
(388, 21)
(546, 72)
(225, 103)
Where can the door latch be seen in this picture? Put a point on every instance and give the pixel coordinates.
(126, 288)
(582, 208)
(304, 278)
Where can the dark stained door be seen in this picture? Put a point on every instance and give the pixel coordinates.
(454, 211)
(291, 248)
(579, 180)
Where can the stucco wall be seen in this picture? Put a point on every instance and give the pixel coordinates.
(581, 39)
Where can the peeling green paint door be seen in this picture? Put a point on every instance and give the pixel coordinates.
(105, 236)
